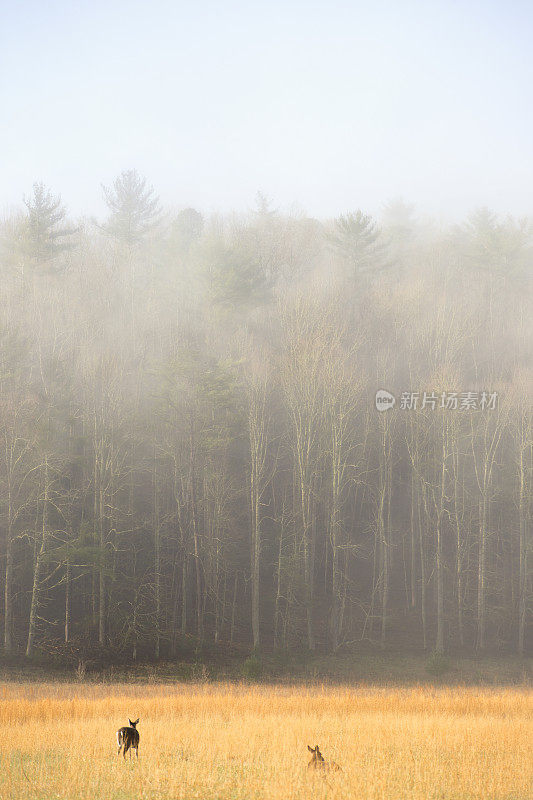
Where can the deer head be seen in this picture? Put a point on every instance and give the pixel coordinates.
(318, 758)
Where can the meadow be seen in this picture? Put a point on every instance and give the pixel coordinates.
(234, 741)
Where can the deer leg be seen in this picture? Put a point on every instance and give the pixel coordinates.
(126, 748)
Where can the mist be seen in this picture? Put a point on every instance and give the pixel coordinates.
(265, 330)
(264, 429)
(328, 111)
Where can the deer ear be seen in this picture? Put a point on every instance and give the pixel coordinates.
(310, 749)
(136, 721)
(129, 720)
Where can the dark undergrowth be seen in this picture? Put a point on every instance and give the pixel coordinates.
(350, 668)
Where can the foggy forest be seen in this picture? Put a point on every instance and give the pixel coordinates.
(191, 450)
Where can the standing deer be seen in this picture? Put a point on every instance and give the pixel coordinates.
(129, 737)
(318, 762)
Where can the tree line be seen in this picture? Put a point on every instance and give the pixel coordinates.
(190, 448)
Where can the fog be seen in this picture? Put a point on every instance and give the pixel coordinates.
(265, 330)
(325, 109)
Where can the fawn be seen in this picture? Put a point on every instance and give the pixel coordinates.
(317, 760)
(129, 737)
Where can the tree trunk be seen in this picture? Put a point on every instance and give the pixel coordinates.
(233, 610)
(414, 539)
(157, 561)
(36, 587)
(8, 600)
(277, 604)
(482, 575)
(439, 644)
(524, 545)
(67, 599)
(194, 523)
(184, 584)
(256, 553)
(101, 577)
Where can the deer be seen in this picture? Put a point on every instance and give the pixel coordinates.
(128, 737)
(318, 761)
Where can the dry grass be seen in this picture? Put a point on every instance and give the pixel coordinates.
(224, 741)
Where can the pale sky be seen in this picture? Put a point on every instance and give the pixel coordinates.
(328, 106)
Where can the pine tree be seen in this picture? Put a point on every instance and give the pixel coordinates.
(46, 235)
(134, 208)
(360, 243)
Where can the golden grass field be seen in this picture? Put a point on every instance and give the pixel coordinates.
(222, 741)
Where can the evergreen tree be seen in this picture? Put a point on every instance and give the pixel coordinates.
(134, 208)
(46, 235)
(359, 241)
(500, 248)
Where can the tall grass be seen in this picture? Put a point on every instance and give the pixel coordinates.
(226, 741)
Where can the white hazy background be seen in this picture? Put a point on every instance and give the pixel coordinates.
(325, 106)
